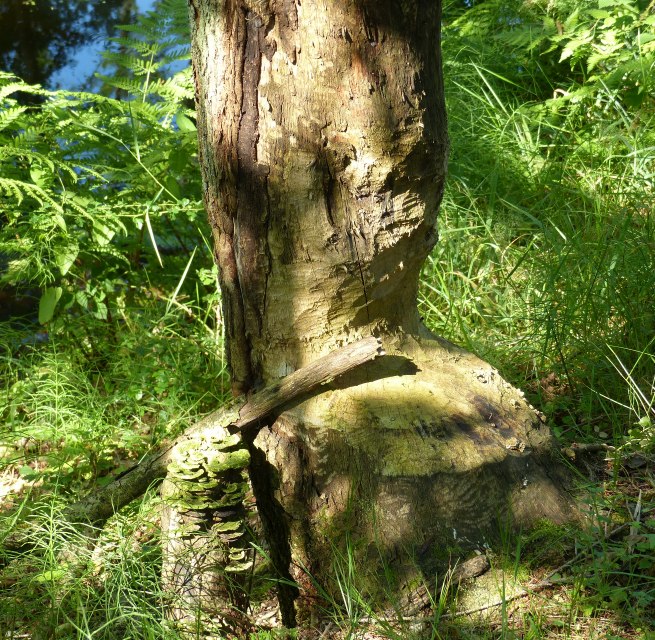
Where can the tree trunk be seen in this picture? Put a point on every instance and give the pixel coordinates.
(323, 148)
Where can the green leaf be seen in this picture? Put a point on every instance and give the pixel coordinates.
(572, 20)
(82, 299)
(608, 3)
(48, 303)
(59, 221)
(101, 311)
(102, 234)
(594, 59)
(633, 96)
(599, 14)
(172, 186)
(65, 257)
(184, 123)
(50, 576)
(178, 159)
(39, 176)
(567, 52)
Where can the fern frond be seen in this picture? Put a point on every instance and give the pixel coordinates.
(43, 160)
(146, 28)
(133, 86)
(177, 88)
(19, 190)
(10, 84)
(146, 48)
(110, 250)
(177, 52)
(177, 12)
(10, 115)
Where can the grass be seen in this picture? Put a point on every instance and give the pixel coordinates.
(63, 588)
(76, 410)
(545, 267)
(546, 255)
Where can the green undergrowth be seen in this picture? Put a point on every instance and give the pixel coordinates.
(545, 267)
(546, 259)
(65, 588)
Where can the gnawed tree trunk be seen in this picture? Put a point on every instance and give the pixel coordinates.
(323, 147)
(205, 551)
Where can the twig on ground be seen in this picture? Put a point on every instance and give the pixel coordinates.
(94, 510)
(325, 631)
(592, 447)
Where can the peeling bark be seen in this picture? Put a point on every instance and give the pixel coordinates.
(323, 146)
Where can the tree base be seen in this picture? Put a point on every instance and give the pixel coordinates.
(413, 459)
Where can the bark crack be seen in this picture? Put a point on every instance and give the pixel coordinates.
(252, 206)
(353, 247)
(264, 477)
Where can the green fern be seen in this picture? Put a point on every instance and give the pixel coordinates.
(72, 169)
(148, 50)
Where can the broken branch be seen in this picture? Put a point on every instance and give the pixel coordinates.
(97, 507)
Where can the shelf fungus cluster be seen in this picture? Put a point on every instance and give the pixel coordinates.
(207, 555)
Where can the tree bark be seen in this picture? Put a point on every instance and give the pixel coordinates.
(95, 508)
(323, 147)
(206, 555)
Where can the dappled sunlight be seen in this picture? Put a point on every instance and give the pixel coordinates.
(416, 462)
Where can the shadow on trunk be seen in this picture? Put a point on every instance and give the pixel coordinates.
(323, 145)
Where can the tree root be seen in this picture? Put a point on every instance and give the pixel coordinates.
(245, 417)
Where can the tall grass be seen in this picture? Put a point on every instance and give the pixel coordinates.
(75, 411)
(547, 250)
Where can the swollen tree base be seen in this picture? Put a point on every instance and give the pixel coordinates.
(410, 461)
(402, 462)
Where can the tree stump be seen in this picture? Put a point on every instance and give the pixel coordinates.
(413, 459)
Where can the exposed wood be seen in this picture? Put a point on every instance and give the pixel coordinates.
(96, 508)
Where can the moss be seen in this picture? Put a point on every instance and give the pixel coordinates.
(547, 543)
(492, 587)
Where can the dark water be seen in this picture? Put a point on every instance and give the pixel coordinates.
(57, 43)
